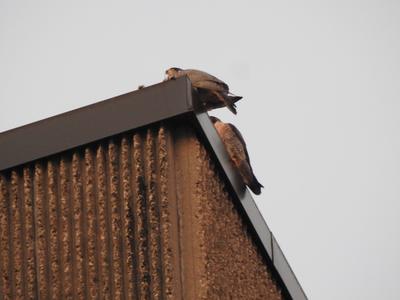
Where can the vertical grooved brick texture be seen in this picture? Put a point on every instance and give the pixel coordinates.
(142, 215)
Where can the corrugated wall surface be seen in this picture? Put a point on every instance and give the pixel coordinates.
(140, 216)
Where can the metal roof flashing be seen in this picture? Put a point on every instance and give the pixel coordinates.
(66, 131)
(133, 110)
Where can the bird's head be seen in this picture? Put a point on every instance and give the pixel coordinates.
(172, 73)
(214, 119)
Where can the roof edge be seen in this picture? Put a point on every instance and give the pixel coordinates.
(94, 122)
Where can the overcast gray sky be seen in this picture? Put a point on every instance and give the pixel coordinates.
(320, 113)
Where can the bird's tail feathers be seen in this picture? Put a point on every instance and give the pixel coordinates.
(232, 107)
(255, 186)
(230, 102)
(234, 98)
(248, 177)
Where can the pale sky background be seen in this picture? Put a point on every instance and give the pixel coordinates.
(320, 113)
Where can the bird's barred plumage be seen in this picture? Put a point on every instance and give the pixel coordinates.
(213, 92)
(237, 151)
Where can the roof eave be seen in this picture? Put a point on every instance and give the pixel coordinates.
(94, 122)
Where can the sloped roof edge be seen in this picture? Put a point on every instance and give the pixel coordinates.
(129, 111)
(94, 122)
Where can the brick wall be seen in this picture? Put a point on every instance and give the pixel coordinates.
(139, 216)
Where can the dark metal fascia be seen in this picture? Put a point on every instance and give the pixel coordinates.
(94, 122)
(285, 271)
(248, 205)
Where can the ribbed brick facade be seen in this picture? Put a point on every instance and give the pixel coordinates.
(144, 215)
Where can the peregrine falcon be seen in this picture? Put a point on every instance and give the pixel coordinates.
(236, 148)
(213, 92)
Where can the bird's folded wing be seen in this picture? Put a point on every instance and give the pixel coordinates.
(209, 85)
(197, 76)
(240, 139)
